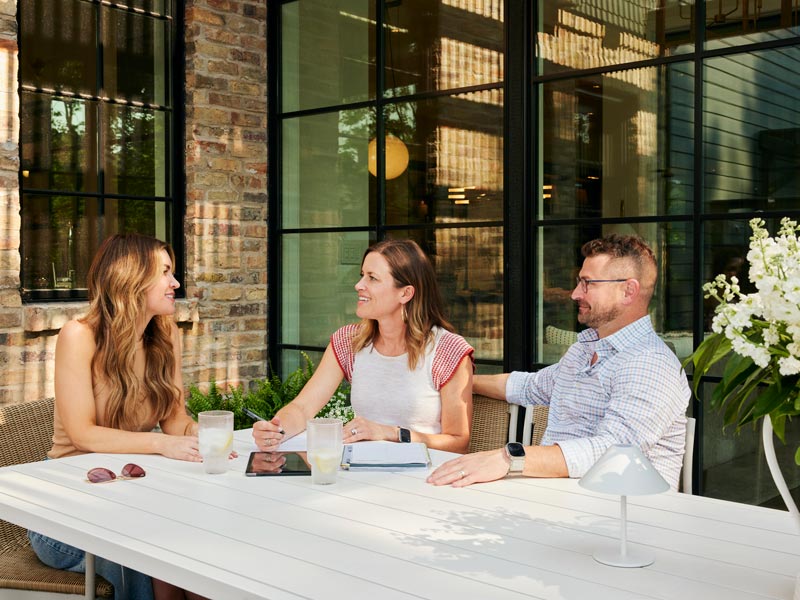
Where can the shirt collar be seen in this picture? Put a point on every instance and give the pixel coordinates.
(619, 340)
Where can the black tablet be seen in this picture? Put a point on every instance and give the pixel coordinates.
(277, 463)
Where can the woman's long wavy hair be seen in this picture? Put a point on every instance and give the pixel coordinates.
(123, 269)
(409, 265)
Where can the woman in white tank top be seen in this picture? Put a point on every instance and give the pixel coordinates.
(411, 376)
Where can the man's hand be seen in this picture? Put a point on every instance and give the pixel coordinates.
(472, 468)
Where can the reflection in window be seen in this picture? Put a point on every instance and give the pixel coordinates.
(604, 136)
(327, 53)
(469, 268)
(455, 171)
(731, 23)
(319, 274)
(751, 131)
(326, 181)
(103, 136)
(58, 145)
(595, 34)
(443, 45)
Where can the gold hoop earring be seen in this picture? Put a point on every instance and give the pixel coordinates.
(403, 312)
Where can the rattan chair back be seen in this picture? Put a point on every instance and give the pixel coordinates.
(26, 434)
(490, 419)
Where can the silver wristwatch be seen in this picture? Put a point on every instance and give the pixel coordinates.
(516, 454)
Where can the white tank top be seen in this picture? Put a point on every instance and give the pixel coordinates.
(385, 391)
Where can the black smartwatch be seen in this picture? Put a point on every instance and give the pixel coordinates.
(516, 453)
(403, 435)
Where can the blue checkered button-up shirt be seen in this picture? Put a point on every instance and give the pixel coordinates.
(636, 393)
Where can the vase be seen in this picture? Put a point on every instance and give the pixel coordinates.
(780, 482)
(775, 469)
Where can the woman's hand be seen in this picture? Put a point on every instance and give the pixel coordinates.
(268, 435)
(180, 447)
(360, 429)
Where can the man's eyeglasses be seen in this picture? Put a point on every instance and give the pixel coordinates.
(584, 283)
(102, 475)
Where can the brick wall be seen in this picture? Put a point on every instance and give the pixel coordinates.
(223, 318)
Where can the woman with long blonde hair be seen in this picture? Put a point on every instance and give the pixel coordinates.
(411, 376)
(118, 376)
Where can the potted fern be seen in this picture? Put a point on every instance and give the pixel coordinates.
(266, 397)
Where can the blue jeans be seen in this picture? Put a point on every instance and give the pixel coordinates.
(128, 584)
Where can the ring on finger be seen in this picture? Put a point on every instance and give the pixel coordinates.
(461, 474)
(354, 431)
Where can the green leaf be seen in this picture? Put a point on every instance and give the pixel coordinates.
(742, 400)
(797, 457)
(737, 371)
(769, 400)
(778, 426)
(712, 350)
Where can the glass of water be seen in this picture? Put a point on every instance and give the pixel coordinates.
(324, 449)
(215, 435)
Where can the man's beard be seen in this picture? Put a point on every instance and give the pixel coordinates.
(596, 317)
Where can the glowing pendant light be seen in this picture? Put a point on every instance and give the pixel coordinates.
(396, 157)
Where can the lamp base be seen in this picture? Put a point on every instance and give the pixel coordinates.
(632, 559)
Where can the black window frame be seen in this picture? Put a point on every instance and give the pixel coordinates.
(175, 196)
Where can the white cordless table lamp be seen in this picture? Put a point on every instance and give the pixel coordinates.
(624, 470)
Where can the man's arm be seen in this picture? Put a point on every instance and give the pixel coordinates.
(492, 386)
(540, 461)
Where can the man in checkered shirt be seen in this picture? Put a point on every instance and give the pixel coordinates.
(618, 384)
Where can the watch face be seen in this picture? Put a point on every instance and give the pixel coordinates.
(515, 450)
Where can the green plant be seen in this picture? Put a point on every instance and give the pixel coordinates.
(266, 397)
(758, 333)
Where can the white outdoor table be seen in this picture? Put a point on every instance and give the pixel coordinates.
(391, 535)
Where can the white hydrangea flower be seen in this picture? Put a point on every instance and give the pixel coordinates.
(764, 325)
(789, 365)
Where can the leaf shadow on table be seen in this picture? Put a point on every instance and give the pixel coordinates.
(505, 545)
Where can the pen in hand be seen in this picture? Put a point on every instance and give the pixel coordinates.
(256, 417)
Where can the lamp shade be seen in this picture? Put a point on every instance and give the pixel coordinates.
(624, 470)
(396, 157)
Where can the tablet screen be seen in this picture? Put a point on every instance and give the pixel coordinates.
(277, 463)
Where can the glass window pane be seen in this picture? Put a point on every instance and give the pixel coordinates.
(60, 235)
(327, 53)
(58, 149)
(584, 35)
(319, 274)
(469, 268)
(291, 360)
(751, 131)
(136, 151)
(325, 179)
(559, 260)
(136, 56)
(57, 45)
(455, 167)
(442, 45)
(618, 144)
(726, 245)
(730, 23)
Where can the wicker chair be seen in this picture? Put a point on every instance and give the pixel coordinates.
(494, 422)
(26, 434)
